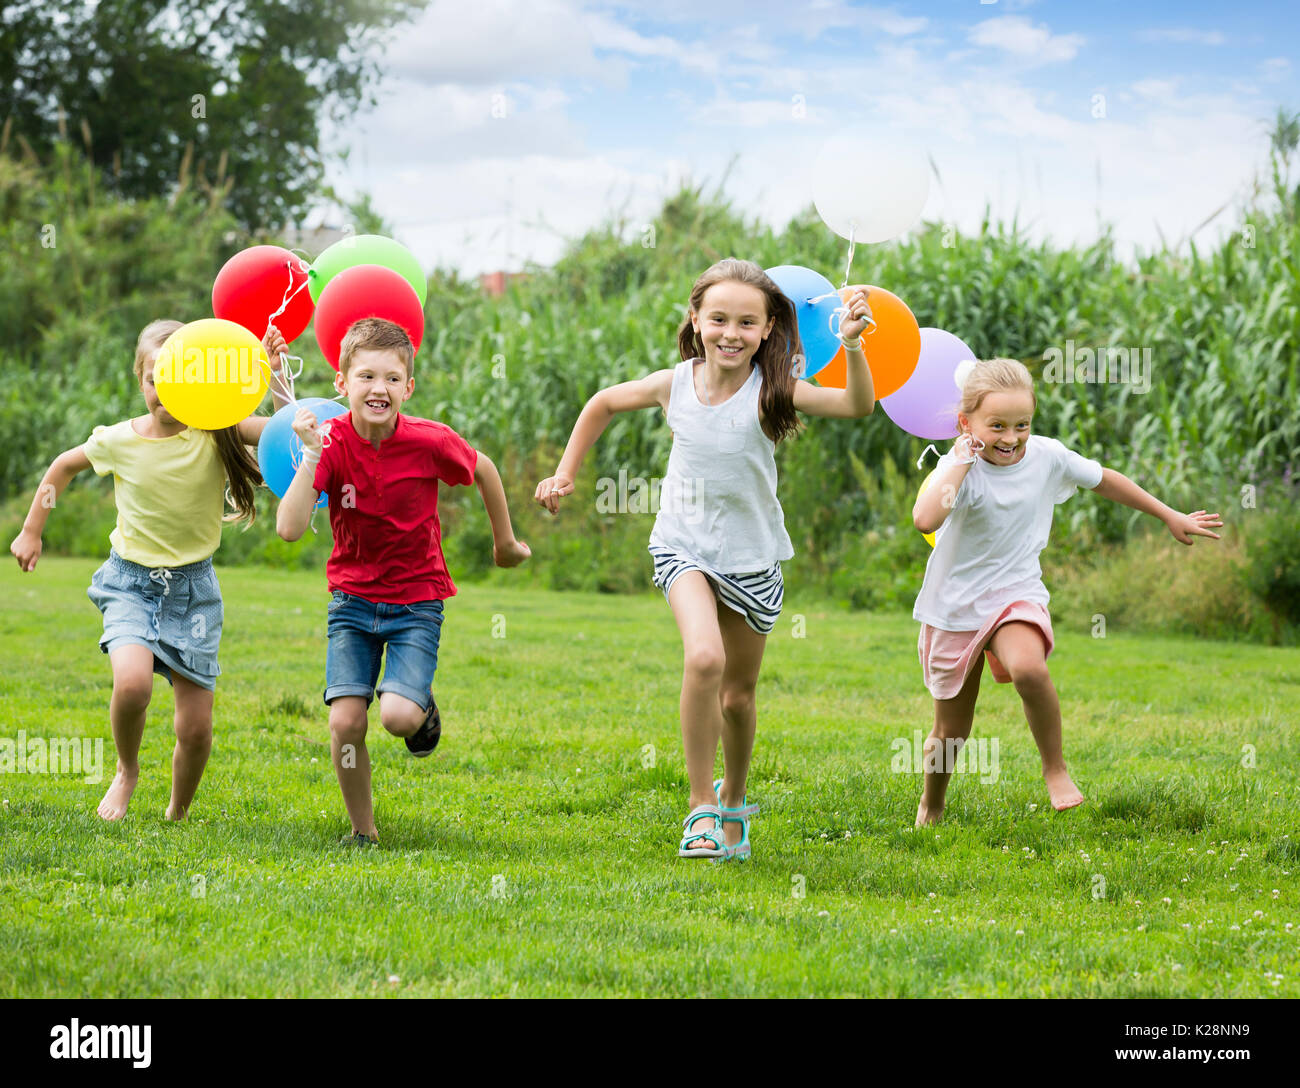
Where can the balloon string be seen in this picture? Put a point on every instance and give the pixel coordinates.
(296, 450)
(848, 267)
(289, 293)
(920, 461)
(285, 377)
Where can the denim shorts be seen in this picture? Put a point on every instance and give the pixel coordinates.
(358, 632)
(176, 612)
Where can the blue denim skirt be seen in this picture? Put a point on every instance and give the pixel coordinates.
(176, 612)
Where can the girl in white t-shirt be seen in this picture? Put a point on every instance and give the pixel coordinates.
(991, 502)
(719, 537)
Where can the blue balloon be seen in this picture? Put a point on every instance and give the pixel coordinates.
(820, 341)
(279, 452)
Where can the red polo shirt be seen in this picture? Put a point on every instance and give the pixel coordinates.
(384, 508)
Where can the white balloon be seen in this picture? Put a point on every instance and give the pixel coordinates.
(872, 188)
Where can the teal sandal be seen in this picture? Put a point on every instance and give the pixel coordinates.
(717, 848)
(741, 851)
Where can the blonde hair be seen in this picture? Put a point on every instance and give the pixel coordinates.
(376, 334)
(987, 376)
(152, 337)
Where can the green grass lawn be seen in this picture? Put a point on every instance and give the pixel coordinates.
(535, 853)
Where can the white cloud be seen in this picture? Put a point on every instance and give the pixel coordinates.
(757, 113)
(1017, 35)
(1183, 35)
(1274, 68)
(1159, 90)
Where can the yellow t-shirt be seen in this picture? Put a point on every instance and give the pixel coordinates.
(170, 493)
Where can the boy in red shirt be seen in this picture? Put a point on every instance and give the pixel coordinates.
(387, 576)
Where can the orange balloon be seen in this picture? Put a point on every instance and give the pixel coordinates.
(892, 348)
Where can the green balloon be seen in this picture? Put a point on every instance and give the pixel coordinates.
(366, 249)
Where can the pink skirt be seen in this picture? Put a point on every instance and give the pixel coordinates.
(947, 657)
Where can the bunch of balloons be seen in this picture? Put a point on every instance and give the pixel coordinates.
(213, 373)
(871, 191)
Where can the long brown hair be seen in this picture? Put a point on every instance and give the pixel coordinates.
(776, 356)
(242, 473)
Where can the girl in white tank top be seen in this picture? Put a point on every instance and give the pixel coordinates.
(719, 537)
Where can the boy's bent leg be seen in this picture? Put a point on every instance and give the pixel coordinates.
(412, 635)
(399, 715)
(193, 743)
(132, 690)
(352, 760)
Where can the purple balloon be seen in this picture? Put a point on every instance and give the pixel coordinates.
(926, 405)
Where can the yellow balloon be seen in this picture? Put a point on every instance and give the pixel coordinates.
(211, 373)
(929, 537)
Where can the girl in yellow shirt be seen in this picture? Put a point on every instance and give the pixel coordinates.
(158, 593)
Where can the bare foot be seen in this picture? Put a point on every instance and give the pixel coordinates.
(118, 797)
(175, 814)
(926, 816)
(1062, 790)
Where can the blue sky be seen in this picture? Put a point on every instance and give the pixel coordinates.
(505, 127)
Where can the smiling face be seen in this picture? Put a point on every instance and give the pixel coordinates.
(1002, 423)
(732, 323)
(376, 384)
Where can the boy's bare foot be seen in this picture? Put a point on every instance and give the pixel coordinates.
(1062, 790)
(926, 816)
(175, 814)
(118, 797)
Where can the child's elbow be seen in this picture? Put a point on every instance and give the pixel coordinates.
(284, 530)
(921, 523)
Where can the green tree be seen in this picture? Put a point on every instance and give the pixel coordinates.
(241, 85)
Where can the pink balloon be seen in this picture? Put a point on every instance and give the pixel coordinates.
(926, 405)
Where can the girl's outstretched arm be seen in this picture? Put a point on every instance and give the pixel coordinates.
(858, 397)
(26, 547)
(1115, 485)
(628, 397)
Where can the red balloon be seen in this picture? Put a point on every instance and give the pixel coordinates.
(365, 290)
(251, 287)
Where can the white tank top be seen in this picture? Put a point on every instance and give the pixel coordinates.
(718, 502)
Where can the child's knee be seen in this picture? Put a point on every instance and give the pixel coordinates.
(1030, 677)
(705, 663)
(348, 723)
(738, 703)
(133, 690)
(399, 715)
(193, 732)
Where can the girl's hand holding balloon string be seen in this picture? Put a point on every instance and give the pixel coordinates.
(966, 447)
(857, 317)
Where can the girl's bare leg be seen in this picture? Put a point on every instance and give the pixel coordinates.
(1019, 647)
(132, 689)
(193, 743)
(696, 610)
(952, 721)
(743, 648)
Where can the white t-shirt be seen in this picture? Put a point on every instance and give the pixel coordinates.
(986, 552)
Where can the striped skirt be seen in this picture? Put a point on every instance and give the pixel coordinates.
(756, 596)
